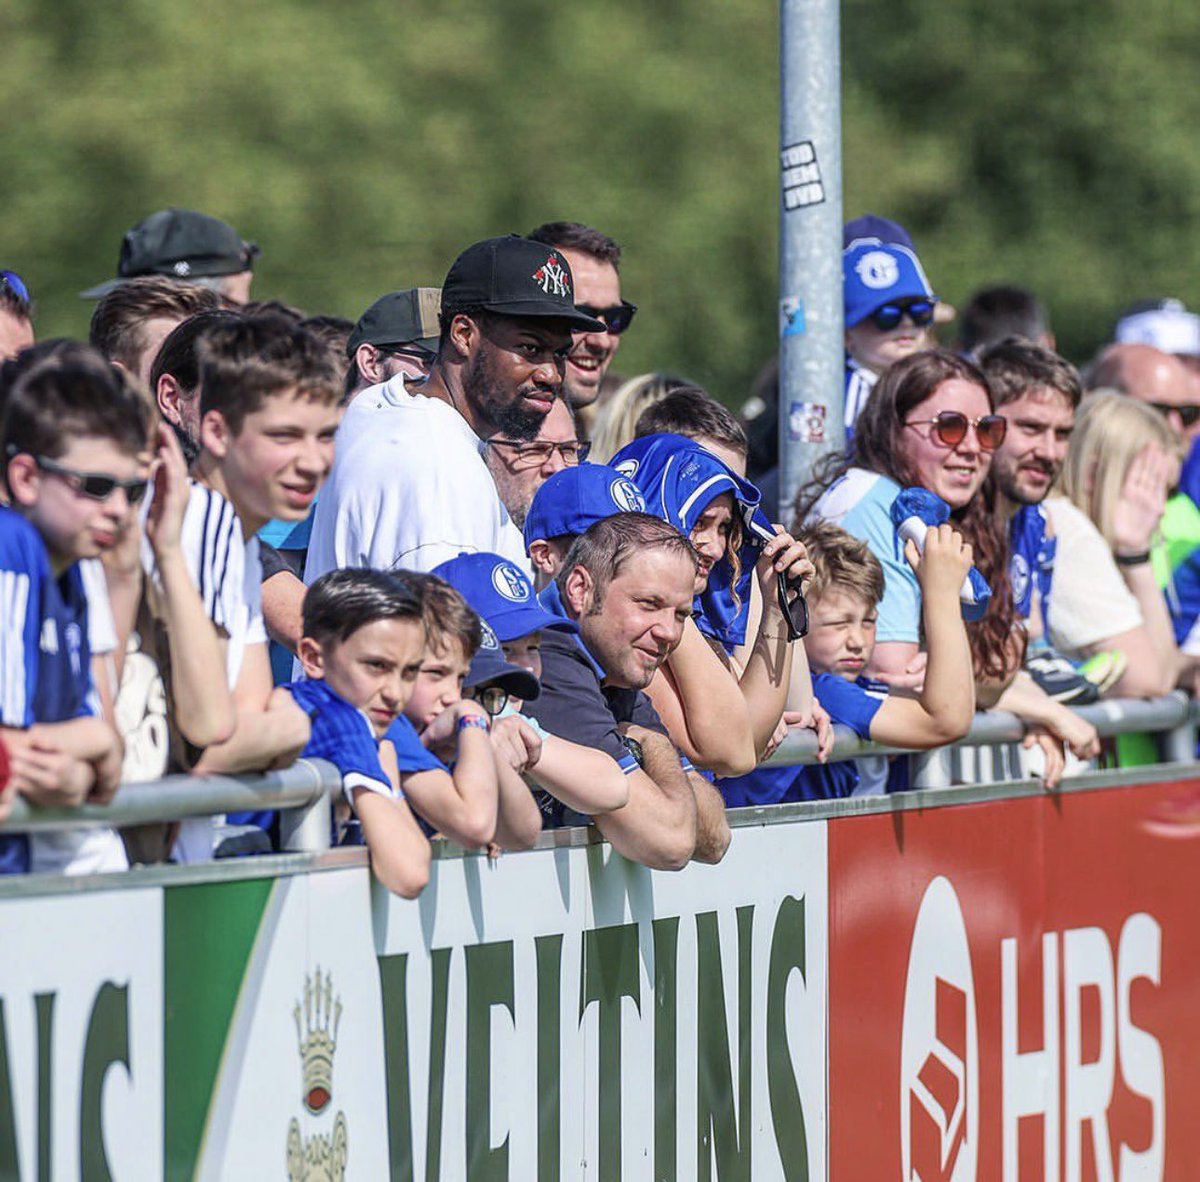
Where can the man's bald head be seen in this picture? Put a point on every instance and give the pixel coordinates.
(1154, 377)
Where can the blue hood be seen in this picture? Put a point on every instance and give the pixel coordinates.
(679, 480)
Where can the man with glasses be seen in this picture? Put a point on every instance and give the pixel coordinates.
(595, 261)
(409, 486)
(16, 315)
(520, 467)
(1159, 379)
(889, 308)
(397, 334)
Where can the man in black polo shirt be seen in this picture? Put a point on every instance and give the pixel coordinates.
(628, 583)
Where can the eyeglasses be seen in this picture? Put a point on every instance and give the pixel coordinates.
(533, 455)
(493, 698)
(616, 319)
(795, 610)
(920, 312)
(96, 485)
(1189, 415)
(950, 428)
(424, 356)
(16, 285)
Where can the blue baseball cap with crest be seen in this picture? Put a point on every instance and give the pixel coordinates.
(573, 500)
(875, 273)
(501, 594)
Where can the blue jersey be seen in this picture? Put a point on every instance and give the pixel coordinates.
(411, 754)
(44, 658)
(1031, 559)
(342, 734)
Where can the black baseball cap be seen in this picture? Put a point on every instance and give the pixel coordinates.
(180, 244)
(408, 317)
(515, 276)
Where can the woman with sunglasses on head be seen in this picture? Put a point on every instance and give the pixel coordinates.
(930, 424)
(889, 309)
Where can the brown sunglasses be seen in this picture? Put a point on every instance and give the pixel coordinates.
(950, 428)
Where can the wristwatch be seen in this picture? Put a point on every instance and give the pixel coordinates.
(635, 749)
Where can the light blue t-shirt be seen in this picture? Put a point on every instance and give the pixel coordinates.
(861, 503)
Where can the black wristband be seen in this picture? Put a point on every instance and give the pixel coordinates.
(1132, 559)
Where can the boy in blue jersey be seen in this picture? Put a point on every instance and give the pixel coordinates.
(75, 445)
(362, 647)
(842, 602)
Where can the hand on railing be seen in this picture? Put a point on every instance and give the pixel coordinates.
(1052, 748)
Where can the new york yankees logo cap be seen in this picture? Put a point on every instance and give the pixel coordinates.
(515, 276)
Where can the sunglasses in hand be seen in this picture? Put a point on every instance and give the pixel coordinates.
(793, 605)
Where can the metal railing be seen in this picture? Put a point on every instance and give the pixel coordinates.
(301, 792)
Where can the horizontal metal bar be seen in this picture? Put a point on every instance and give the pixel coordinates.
(306, 781)
(792, 813)
(176, 797)
(1118, 716)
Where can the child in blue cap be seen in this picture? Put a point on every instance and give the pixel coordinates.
(567, 505)
(889, 307)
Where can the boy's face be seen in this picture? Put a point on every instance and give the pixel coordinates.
(275, 465)
(440, 682)
(841, 634)
(374, 668)
(73, 524)
(525, 651)
(876, 348)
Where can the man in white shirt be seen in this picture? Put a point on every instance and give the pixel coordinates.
(409, 487)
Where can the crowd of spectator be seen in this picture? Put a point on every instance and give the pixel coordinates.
(502, 590)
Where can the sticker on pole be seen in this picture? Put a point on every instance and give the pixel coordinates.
(801, 176)
(806, 422)
(791, 317)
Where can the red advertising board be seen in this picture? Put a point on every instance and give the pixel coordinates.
(1014, 989)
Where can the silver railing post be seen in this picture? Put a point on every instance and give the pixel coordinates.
(307, 827)
(811, 350)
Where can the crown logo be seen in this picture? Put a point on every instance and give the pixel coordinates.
(318, 1039)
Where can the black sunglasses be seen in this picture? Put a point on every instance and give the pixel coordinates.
(616, 319)
(920, 312)
(96, 485)
(795, 610)
(413, 353)
(1188, 415)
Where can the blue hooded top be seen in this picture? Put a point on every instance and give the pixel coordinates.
(679, 480)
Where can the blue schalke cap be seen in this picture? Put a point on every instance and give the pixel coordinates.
(501, 595)
(875, 273)
(488, 667)
(871, 225)
(573, 500)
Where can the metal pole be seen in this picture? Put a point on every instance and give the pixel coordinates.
(811, 351)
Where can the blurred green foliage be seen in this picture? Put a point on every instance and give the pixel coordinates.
(363, 144)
